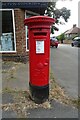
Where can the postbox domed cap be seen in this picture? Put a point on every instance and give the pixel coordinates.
(39, 20)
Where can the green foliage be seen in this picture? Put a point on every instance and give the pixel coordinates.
(52, 30)
(53, 12)
(61, 37)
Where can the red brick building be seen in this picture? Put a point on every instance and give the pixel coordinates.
(14, 37)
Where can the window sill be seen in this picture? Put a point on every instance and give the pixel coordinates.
(27, 50)
(7, 51)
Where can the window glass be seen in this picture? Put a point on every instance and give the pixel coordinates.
(7, 36)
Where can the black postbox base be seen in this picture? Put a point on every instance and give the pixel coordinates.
(39, 94)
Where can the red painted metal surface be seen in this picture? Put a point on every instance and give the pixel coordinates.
(39, 49)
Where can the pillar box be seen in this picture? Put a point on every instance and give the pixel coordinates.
(39, 53)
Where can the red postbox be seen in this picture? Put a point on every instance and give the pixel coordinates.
(39, 53)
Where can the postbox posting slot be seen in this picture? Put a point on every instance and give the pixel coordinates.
(40, 34)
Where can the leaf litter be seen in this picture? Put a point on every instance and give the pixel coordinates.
(22, 102)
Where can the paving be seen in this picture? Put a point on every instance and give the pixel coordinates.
(58, 110)
(7, 98)
(16, 77)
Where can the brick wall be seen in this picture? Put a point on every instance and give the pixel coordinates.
(20, 32)
(20, 54)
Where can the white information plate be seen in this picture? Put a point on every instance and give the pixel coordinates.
(40, 46)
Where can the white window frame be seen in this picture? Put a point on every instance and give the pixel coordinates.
(32, 13)
(13, 30)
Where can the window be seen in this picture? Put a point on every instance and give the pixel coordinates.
(27, 15)
(27, 39)
(7, 42)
